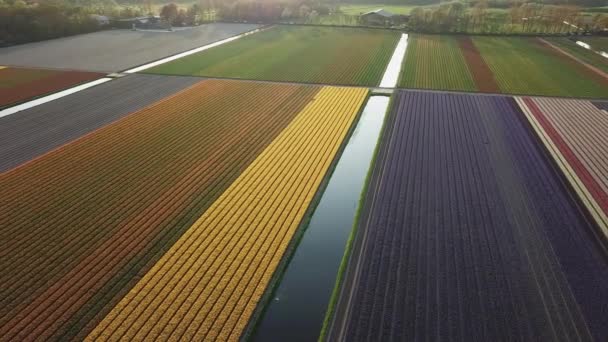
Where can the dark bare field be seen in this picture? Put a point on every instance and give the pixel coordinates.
(30, 133)
(116, 50)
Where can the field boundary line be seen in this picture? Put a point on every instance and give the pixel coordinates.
(51, 97)
(567, 54)
(378, 88)
(576, 183)
(195, 50)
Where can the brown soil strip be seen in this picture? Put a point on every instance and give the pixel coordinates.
(483, 76)
(13, 77)
(585, 68)
(52, 83)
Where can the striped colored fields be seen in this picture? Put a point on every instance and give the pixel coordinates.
(574, 132)
(42, 128)
(602, 105)
(481, 72)
(435, 62)
(85, 222)
(527, 66)
(299, 54)
(510, 65)
(467, 233)
(20, 84)
(208, 284)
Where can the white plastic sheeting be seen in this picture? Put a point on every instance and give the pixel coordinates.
(391, 75)
(583, 44)
(49, 98)
(189, 52)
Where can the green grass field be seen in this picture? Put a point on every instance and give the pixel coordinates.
(299, 54)
(583, 54)
(435, 62)
(523, 66)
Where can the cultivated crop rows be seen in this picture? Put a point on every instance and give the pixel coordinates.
(21, 84)
(526, 66)
(482, 74)
(467, 233)
(585, 55)
(602, 105)
(208, 284)
(43, 128)
(86, 221)
(435, 62)
(162, 207)
(299, 54)
(574, 132)
(512, 65)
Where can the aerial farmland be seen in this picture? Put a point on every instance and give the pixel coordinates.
(511, 65)
(302, 54)
(278, 182)
(502, 261)
(20, 84)
(115, 50)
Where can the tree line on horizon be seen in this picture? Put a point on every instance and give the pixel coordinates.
(520, 17)
(22, 21)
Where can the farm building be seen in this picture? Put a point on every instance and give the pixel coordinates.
(101, 20)
(381, 17)
(146, 23)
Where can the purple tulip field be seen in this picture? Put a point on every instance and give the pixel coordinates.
(468, 232)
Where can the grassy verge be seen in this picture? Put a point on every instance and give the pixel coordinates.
(331, 308)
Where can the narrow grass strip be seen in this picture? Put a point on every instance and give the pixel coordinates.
(331, 307)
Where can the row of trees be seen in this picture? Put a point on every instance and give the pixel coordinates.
(242, 10)
(199, 12)
(509, 3)
(271, 10)
(179, 16)
(519, 18)
(21, 23)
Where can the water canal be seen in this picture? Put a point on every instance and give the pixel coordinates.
(297, 308)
